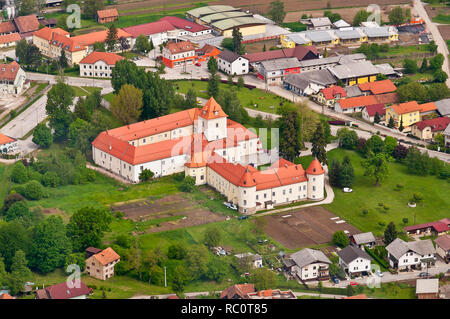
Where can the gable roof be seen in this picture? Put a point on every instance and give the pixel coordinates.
(439, 226)
(46, 33)
(406, 107)
(212, 110)
(9, 71)
(378, 87)
(373, 109)
(241, 290)
(4, 139)
(363, 238)
(184, 24)
(149, 28)
(350, 253)
(299, 52)
(427, 286)
(320, 22)
(11, 37)
(179, 47)
(62, 291)
(437, 124)
(280, 64)
(308, 256)
(428, 107)
(303, 80)
(106, 256)
(27, 23)
(209, 49)
(354, 70)
(443, 241)
(99, 36)
(7, 27)
(229, 56)
(398, 247)
(68, 44)
(443, 107)
(331, 92)
(359, 101)
(107, 57)
(107, 13)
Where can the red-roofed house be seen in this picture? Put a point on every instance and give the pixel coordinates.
(101, 264)
(9, 40)
(300, 52)
(12, 78)
(178, 54)
(357, 103)
(26, 25)
(427, 129)
(187, 27)
(157, 32)
(89, 39)
(271, 294)
(99, 64)
(108, 15)
(64, 291)
(212, 149)
(434, 228)
(427, 110)
(377, 87)
(329, 96)
(369, 111)
(6, 296)
(406, 113)
(206, 53)
(8, 144)
(237, 291)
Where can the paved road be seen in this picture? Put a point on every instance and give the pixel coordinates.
(437, 37)
(52, 79)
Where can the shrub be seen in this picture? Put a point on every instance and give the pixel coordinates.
(405, 220)
(19, 174)
(340, 239)
(50, 179)
(188, 184)
(33, 190)
(11, 199)
(146, 175)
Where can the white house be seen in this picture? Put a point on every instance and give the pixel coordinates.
(99, 64)
(308, 264)
(255, 260)
(8, 144)
(12, 78)
(411, 255)
(363, 240)
(354, 260)
(447, 136)
(232, 63)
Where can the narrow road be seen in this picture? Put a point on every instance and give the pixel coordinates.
(437, 37)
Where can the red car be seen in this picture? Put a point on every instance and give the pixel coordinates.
(354, 283)
(198, 64)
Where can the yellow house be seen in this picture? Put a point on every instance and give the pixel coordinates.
(294, 39)
(355, 73)
(406, 113)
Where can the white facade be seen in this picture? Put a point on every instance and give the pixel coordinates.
(16, 86)
(356, 266)
(98, 69)
(408, 260)
(312, 271)
(237, 67)
(10, 147)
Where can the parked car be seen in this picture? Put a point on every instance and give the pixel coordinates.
(335, 279)
(424, 274)
(198, 64)
(354, 283)
(242, 217)
(230, 205)
(379, 273)
(347, 190)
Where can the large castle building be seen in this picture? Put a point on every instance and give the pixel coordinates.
(214, 150)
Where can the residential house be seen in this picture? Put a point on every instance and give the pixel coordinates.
(101, 265)
(7, 27)
(443, 107)
(186, 27)
(329, 96)
(52, 42)
(427, 288)
(273, 72)
(8, 144)
(254, 259)
(350, 36)
(377, 87)
(325, 63)
(443, 247)
(428, 110)
(312, 37)
(12, 78)
(308, 264)
(447, 136)
(271, 294)
(6, 296)
(341, 24)
(308, 83)
(99, 64)
(232, 63)
(369, 111)
(301, 53)
(108, 15)
(237, 291)
(406, 113)
(64, 291)
(381, 34)
(158, 32)
(322, 23)
(9, 40)
(354, 260)
(89, 39)
(353, 91)
(26, 25)
(355, 73)
(206, 53)
(363, 240)
(411, 255)
(427, 129)
(429, 229)
(358, 103)
(178, 54)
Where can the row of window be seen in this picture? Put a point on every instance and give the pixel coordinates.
(85, 66)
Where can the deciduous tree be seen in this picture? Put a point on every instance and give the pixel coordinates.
(127, 105)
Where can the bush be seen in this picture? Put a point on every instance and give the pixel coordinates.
(340, 239)
(188, 184)
(33, 190)
(19, 174)
(50, 179)
(146, 175)
(11, 199)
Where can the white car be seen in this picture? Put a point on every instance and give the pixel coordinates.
(347, 190)
(229, 205)
(379, 273)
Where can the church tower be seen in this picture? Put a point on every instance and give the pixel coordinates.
(211, 121)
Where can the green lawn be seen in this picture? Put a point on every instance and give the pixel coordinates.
(266, 102)
(108, 97)
(442, 18)
(366, 195)
(85, 90)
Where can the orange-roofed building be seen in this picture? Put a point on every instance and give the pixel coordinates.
(8, 144)
(271, 294)
(427, 110)
(101, 264)
(179, 54)
(329, 96)
(378, 87)
(108, 15)
(89, 39)
(358, 103)
(9, 40)
(362, 296)
(214, 150)
(12, 78)
(6, 296)
(99, 64)
(406, 114)
(207, 52)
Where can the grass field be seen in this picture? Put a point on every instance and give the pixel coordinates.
(85, 90)
(266, 102)
(442, 18)
(366, 195)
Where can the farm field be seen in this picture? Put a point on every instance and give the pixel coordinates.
(366, 195)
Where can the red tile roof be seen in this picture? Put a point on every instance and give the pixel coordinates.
(5, 296)
(5, 139)
(107, 57)
(108, 13)
(427, 107)
(184, 24)
(209, 50)
(437, 124)
(378, 87)
(315, 168)
(27, 23)
(299, 52)
(9, 71)
(281, 163)
(62, 291)
(438, 226)
(212, 110)
(331, 92)
(406, 107)
(99, 36)
(46, 33)
(11, 37)
(7, 27)
(241, 290)
(68, 44)
(359, 101)
(149, 28)
(180, 47)
(376, 108)
(443, 242)
(107, 256)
